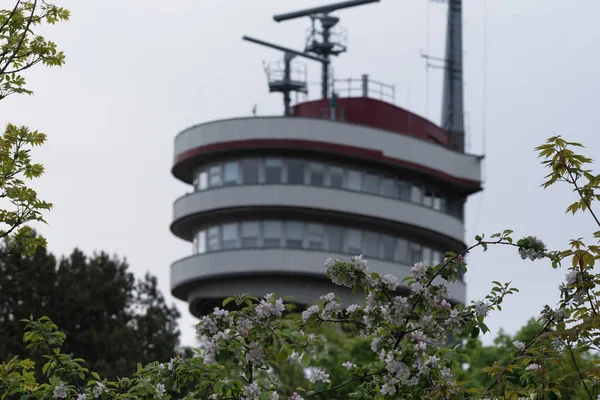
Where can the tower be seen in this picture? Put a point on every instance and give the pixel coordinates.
(349, 174)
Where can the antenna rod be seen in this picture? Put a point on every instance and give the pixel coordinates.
(322, 9)
(285, 49)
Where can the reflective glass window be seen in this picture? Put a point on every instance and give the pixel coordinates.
(294, 235)
(316, 174)
(371, 183)
(214, 176)
(354, 242)
(354, 180)
(416, 252)
(230, 236)
(296, 171)
(403, 190)
(428, 199)
(402, 251)
(336, 177)
(250, 230)
(230, 173)
(335, 238)
(416, 194)
(250, 171)
(272, 233)
(386, 244)
(315, 236)
(387, 187)
(273, 170)
(427, 255)
(201, 242)
(371, 244)
(213, 239)
(202, 180)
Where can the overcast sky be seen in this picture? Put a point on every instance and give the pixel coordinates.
(138, 72)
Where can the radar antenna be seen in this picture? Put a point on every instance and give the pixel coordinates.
(327, 45)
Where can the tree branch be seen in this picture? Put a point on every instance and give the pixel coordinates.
(25, 31)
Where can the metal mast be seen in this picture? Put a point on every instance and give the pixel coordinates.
(453, 98)
(326, 47)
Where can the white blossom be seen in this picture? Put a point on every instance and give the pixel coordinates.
(309, 311)
(98, 389)
(255, 354)
(481, 308)
(417, 288)
(533, 367)
(60, 392)
(351, 308)
(390, 281)
(81, 396)
(348, 365)
(519, 345)
(320, 376)
(387, 389)
(160, 389)
(571, 277)
(274, 396)
(419, 270)
(251, 391)
(296, 396)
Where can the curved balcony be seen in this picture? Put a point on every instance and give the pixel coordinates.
(324, 136)
(205, 279)
(194, 210)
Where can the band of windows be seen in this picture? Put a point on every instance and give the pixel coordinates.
(312, 236)
(294, 171)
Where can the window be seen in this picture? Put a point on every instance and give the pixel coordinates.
(428, 199)
(229, 236)
(436, 257)
(371, 247)
(214, 176)
(354, 242)
(402, 251)
(386, 245)
(354, 180)
(273, 170)
(213, 239)
(250, 171)
(294, 234)
(230, 174)
(403, 190)
(416, 194)
(201, 242)
(387, 187)
(202, 180)
(416, 253)
(439, 203)
(427, 255)
(371, 184)
(315, 236)
(316, 174)
(272, 233)
(296, 172)
(250, 234)
(336, 177)
(335, 238)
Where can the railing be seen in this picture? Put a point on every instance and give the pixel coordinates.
(364, 87)
(275, 72)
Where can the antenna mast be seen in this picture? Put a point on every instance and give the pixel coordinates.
(284, 82)
(453, 119)
(325, 47)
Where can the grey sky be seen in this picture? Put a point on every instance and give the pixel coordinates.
(138, 72)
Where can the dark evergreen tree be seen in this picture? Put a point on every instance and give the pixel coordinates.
(111, 319)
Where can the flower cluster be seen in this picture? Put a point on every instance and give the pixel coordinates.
(532, 248)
